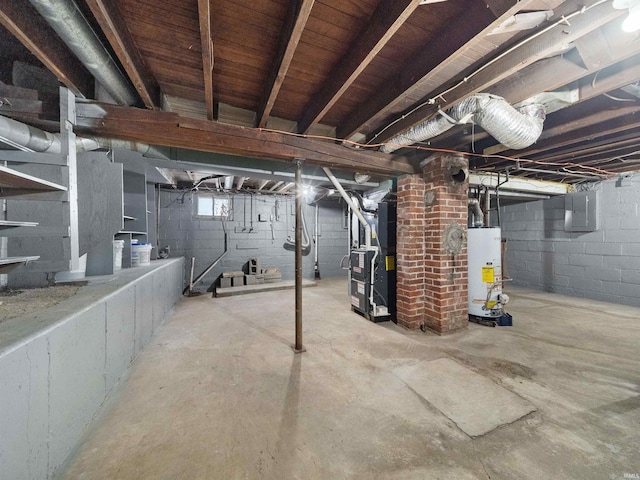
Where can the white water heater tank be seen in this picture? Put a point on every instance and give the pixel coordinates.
(485, 271)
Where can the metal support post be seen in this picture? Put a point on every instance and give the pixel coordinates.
(298, 348)
(68, 147)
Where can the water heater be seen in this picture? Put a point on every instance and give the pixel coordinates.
(485, 273)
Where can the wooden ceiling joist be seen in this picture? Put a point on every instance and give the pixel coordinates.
(388, 17)
(24, 22)
(589, 86)
(454, 43)
(172, 130)
(536, 49)
(553, 73)
(206, 40)
(111, 21)
(297, 16)
(608, 148)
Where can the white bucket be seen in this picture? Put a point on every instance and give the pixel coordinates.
(118, 246)
(140, 254)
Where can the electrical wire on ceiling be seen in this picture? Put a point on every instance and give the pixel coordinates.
(590, 169)
(612, 97)
(564, 20)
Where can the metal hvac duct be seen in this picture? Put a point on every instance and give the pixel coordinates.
(31, 139)
(515, 129)
(28, 138)
(67, 20)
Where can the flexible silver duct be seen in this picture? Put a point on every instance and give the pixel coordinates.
(69, 23)
(32, 139)
(513, 128)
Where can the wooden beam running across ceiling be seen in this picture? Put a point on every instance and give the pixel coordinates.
(386, 20)
(169, 129)
(204, 13)
(26, 24)
(455, 43)
(111, 21)
(536, 49)
(297, 16)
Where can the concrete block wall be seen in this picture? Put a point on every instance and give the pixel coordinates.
(54, 379)
(601, 265)
(190, 236)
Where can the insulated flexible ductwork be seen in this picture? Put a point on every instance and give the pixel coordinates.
(69, 23)
(32, 139)
(513, 128)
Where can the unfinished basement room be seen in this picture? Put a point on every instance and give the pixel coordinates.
(319, 239)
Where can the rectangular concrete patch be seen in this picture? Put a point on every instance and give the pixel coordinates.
(474, 403)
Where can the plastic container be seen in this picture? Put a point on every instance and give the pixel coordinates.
(140, 254)
(118, 246)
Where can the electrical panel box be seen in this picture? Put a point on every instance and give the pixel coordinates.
(581, 212)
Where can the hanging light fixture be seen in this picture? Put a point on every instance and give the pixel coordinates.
(632, 22)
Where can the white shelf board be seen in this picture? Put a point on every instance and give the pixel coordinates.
(12, 224)
(13, 182)
(9, 263)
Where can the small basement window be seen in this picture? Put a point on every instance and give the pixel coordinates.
(216, 207)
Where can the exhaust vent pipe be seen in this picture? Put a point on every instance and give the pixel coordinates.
(477, 215)
(515, 129)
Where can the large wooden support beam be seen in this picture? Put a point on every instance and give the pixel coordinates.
(108, 16)
(387, 19)
(297, 16)
(532, 51)
(26, 24)
(169, 129)
(204, 13)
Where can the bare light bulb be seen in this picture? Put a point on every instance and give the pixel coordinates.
(632, 22)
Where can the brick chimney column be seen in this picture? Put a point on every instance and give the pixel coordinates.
(410, 248)
(431, 246)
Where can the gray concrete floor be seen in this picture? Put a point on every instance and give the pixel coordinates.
(218, 394)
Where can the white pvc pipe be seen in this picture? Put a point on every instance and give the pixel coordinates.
(352, 205)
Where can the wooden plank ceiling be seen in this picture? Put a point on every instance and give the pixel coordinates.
(358, 70)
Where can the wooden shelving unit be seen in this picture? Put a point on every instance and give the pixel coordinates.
(9, 263)
(4, 224)
(13, 183)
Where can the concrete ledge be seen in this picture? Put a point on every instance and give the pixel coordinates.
(266, 287)
(58, 365)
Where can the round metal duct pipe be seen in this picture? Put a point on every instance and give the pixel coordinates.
(32, 139)
(67, 20)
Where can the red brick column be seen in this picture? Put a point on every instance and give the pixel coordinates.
(432, 282)
(410, 251)
(446, 208)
